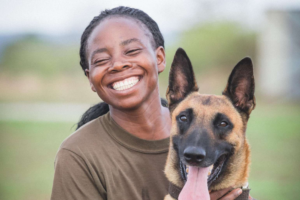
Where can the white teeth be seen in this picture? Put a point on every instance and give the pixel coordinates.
(126, 83)
(209, 172)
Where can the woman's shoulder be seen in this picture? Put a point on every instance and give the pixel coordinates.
(91, 135)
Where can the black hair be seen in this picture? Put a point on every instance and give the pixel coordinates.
(102, 108)
(119, 11)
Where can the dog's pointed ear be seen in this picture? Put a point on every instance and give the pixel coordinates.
(181, 79)
(240, 86)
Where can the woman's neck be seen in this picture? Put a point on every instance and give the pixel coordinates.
(150, 121)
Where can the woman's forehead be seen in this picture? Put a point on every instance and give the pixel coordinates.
(118, 28)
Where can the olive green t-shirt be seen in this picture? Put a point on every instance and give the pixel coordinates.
(103, 161)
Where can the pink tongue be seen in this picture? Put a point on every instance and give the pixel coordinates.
(196, 185)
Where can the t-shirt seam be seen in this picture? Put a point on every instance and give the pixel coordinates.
(136, 150)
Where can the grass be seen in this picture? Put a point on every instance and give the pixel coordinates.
(273, 133)
(27, 158)
(28, 150)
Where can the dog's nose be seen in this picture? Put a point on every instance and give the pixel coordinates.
(194, 154)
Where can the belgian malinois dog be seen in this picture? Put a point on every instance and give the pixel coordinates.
(208, 131)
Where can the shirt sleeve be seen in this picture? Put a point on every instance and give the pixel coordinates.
(73, 180)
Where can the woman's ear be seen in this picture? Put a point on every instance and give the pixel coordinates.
(87, 73)
(161, 59)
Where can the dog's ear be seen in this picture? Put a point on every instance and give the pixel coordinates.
(181, 79)
(240, 86)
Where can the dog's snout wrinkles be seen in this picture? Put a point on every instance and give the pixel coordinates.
(194, 154)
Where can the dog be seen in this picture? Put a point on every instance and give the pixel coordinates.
(208, 130)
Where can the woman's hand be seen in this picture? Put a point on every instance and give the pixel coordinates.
(219, 194)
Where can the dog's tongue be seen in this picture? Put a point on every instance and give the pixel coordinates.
(196, 185)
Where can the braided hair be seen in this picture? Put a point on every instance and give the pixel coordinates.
(121, 11)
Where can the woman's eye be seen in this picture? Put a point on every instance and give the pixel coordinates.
(223, 124)
(133, 52)
(100, 61)
(183, 118)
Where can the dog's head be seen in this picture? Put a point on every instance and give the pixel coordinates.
(209, 129)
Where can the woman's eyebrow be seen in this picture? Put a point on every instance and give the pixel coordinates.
(129, 41)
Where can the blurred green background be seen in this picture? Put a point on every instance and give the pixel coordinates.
(37, 71)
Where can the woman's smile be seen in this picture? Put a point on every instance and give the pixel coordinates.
(126, 83)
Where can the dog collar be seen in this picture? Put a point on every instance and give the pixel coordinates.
(174, 190)
(245, 195)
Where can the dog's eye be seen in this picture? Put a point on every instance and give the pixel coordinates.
(223, 124)
(183, 118)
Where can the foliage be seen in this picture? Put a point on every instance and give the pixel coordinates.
(209, 46)
(31, 55)
(215, 45)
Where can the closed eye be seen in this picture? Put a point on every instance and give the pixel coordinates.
(133, 52)
(101, 62)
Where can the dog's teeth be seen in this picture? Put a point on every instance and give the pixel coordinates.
(187, 170)
(209, 172)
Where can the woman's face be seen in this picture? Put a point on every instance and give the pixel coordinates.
(123, 65)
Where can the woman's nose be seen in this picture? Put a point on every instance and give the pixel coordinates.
(119, 66)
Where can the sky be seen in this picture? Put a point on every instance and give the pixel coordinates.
(62, 17)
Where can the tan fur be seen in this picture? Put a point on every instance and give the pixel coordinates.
(170, 170)
(168, 197)
(238, 168)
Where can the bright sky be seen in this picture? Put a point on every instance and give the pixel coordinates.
(56, 17)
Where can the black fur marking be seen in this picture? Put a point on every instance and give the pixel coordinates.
(180, 167)
(207, 101)
(229, 149)
(241, 86)
(181, 79)
(219, 131)
(175, 140)
(184, 125)
(199, 137)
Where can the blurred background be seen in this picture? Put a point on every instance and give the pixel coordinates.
(43, 91)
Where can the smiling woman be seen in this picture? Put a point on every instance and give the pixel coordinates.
(121, 154)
